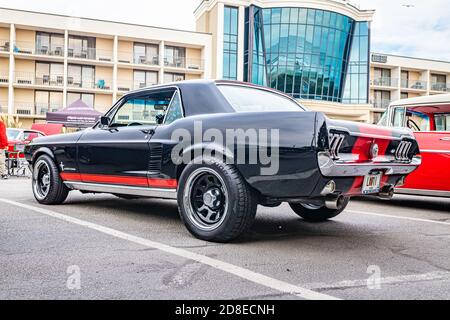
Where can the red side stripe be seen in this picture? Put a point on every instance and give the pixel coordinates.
(123, 180)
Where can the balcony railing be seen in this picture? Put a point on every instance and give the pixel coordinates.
(4, 76)
(440, 86)
(42, 108)
(4, 45)
(29, 78)
(150, 61)
(133, 85)
(183, 63)
(101, 84)
(91, 54)
(384, 82)
(380, 104)
(24, 108)
(25, 47)
(414, 84)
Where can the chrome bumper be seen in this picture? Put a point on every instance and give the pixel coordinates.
(331, 168)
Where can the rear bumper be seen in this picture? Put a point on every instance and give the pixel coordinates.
(330, 168)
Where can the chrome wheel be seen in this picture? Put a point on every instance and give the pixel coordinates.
(41, 179)
(206, 199)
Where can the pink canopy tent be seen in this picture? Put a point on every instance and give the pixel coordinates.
(77, 115)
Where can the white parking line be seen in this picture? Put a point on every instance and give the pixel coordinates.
(431, 276)
(398, 217)
(243, 273)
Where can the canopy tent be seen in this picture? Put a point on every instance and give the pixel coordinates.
(78, 115)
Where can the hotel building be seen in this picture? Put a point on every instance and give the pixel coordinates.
(49, 61)
(396, 77)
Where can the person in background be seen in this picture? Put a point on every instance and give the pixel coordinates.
(3, 147)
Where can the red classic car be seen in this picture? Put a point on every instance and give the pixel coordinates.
(18, 138)
(429, 118)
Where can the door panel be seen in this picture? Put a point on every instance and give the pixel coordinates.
(115, 156)
(433, 174)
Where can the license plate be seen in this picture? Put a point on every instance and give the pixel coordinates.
(372, 183)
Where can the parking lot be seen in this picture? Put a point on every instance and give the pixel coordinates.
(102, 247)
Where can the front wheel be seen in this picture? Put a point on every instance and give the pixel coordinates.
(48, 187)
(316, 213)
(216, 203)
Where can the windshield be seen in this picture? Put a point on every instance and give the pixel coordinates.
(245, 99)
(13, 134)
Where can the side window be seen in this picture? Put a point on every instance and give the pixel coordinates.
(143, 109)
(175, 110)
(398, 117)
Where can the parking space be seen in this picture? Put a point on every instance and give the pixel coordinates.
(139, 249)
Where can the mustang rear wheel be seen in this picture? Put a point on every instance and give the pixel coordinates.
(317, 213)
(215, 202)
(48, 188)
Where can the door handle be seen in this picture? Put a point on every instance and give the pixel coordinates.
(445, 139)
(148, 131)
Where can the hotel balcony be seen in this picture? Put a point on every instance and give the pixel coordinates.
(384, 82)
(42, 108)
(100, 55)
(185, 64)
(440, 86)
(31, 79)
(124, 86)
(99, 85)
(380, 104)
(4, 45)
(150, 61)
(417, 85)
(29, 48)
(4, 78)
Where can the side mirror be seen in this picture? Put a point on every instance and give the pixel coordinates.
(104, 121)
(159, 118)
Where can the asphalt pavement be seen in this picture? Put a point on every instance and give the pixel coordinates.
(102, 247)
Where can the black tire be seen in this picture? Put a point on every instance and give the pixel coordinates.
(313, 213)
(55, 191)
(229, 197)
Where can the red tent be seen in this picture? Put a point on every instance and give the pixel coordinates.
(48, 129)
(77, 115)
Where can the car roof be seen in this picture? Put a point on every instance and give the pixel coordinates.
(424, 100)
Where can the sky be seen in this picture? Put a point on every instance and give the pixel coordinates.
(419, 28)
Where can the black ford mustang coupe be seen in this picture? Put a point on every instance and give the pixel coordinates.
(222, 148)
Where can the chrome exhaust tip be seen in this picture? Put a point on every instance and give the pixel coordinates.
(387, 193)
(334, 203)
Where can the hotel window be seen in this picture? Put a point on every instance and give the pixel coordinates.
(49, 74)
(404, 95)
(439, 82)
(382, 99)
(405, 79)
(173, 77)
(382, 77)
(47, 101)
(82, 47)
(81, 76)
(230, 43)
(146, 53)
(175, 57)
(87, 98)
(49, 44)
(143, 79)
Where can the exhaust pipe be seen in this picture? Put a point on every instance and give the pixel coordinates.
(387, 193)
(334, 203)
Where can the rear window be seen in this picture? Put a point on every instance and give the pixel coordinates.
(245, 99)
(442, 122)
